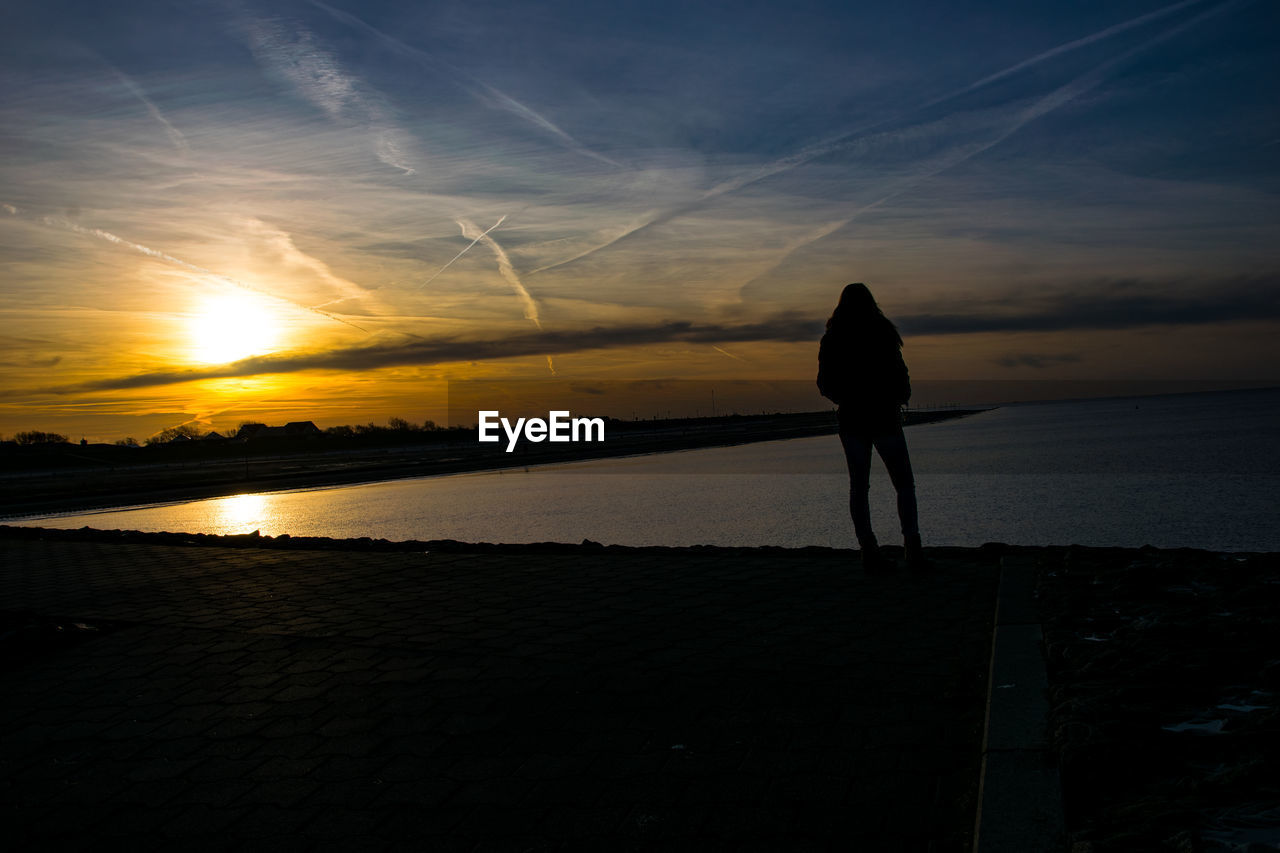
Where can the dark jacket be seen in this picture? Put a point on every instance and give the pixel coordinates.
(861, 370)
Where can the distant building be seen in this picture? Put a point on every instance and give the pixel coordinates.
(296, 429)
(302, 429)
(213, 436)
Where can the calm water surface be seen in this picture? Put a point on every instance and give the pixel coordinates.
(1196, 471)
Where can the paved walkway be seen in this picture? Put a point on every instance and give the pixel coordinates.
(598, 699)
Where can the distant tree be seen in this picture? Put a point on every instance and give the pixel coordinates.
(35, 436)
(128, 441)
(168, 434)
(396, 425)
(409, 426)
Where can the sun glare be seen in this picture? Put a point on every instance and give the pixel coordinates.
(239, 514)
(231, 327)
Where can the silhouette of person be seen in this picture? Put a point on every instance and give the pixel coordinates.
(860, 369)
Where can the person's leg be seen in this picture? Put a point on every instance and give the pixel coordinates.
(892, 447)
(893, 450)
(857, 453)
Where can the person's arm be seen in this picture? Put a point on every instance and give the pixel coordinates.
(828, 371)
(902, 379)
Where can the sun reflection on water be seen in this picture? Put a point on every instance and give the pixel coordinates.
(239, 514)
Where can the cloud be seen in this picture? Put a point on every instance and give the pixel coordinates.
(1056, 99)
(782, 327)
(33, 361)
(505, 269)
(465, 249)
(1112, 304)
(295, 53)
(98, 233)
(859, 137)
(481, 91)
(1036, 360)
(725, 352)
(1067, 47)
(510, 104)
(277, 248)
(175, 136)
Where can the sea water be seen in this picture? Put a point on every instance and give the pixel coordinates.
(1197, 470)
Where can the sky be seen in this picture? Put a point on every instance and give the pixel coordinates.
(227, 210)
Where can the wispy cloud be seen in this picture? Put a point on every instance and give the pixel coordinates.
(481, 91)
(728, 354)
(845, 140)
(781, 150)
(64, 224)
(1109, 304)
(465, 249)
(294, 52)
(281, 252)
(1041, 107)
(783, 327)
(1067, 47)
(1097, 305)
(1035, 360)
(175, 136)
(504, 101)
(505, 268)
(24, 363)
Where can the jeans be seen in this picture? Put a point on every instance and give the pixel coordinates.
(891, 444)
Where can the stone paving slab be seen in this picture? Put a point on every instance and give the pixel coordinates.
(619, 699)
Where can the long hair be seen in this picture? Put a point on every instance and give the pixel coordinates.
(857, 312)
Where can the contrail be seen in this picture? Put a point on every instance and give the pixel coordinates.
(320, 78)
(831, 145)
(551, 365)
(477, 89)
(505, 268)
(282, 243)
(388, 151)
(1057, 98)
(464, 251)
(731, 355)
(510, 104)
(175, 136)
(68, 225)
(1067, 47)
(796, 245)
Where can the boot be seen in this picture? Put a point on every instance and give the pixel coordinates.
(873, 561)
(913, 551)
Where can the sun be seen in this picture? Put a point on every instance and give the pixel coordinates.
(230, 327)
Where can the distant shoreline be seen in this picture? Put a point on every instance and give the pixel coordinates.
(105, 487)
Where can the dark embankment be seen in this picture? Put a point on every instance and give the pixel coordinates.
(65, 477)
